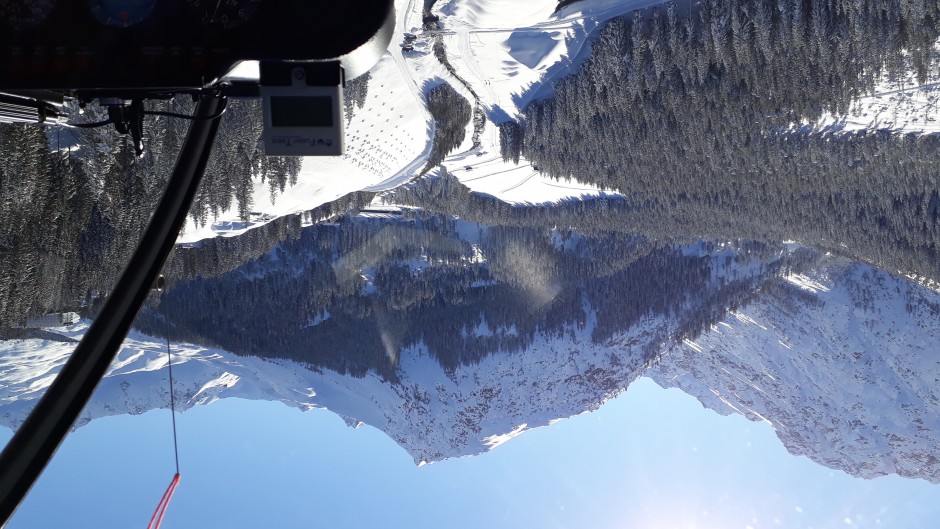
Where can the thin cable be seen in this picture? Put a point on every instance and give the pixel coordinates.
(157, 519)
(169, 364)
(74, 137)
(96, 124)
(181, 116)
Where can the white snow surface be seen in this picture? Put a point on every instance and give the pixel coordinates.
(430, 413)
(912, 108)
(842, 362)
(508, 54)
(383, 139)
(505, 51)
(901, 104)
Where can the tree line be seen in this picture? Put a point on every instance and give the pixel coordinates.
(350, 295)
(71, 216)
(708, 121)
(451, 113)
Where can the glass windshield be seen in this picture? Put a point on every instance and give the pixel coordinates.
(582, 264)
(73, 204)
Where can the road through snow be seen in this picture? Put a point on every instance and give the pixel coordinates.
(583, 21)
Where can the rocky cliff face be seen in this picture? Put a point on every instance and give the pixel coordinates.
(843, 362)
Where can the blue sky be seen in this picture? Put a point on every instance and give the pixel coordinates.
(651, 458)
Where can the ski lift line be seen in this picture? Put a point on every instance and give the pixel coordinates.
(900, 90)
(524, 180)
(490, 174)
(585, 189)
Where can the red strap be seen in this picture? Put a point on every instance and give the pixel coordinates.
(164, 503)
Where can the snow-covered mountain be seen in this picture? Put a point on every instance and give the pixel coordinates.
(433, 414)
(842, 361)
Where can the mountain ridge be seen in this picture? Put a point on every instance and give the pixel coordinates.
(436, 414)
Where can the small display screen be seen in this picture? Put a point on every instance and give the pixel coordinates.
(302, 111)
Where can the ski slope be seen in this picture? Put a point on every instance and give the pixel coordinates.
(504, 56)
(386, 142)
(505, 52)
(510, 52)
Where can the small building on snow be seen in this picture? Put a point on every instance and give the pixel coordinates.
(53, 319)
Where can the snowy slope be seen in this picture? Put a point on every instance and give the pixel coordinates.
(908, 108)
(383, 140)
(504, 51)
(842, 362)
(431, 414)
(508, 50)
(508, 54)
(901, 104)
